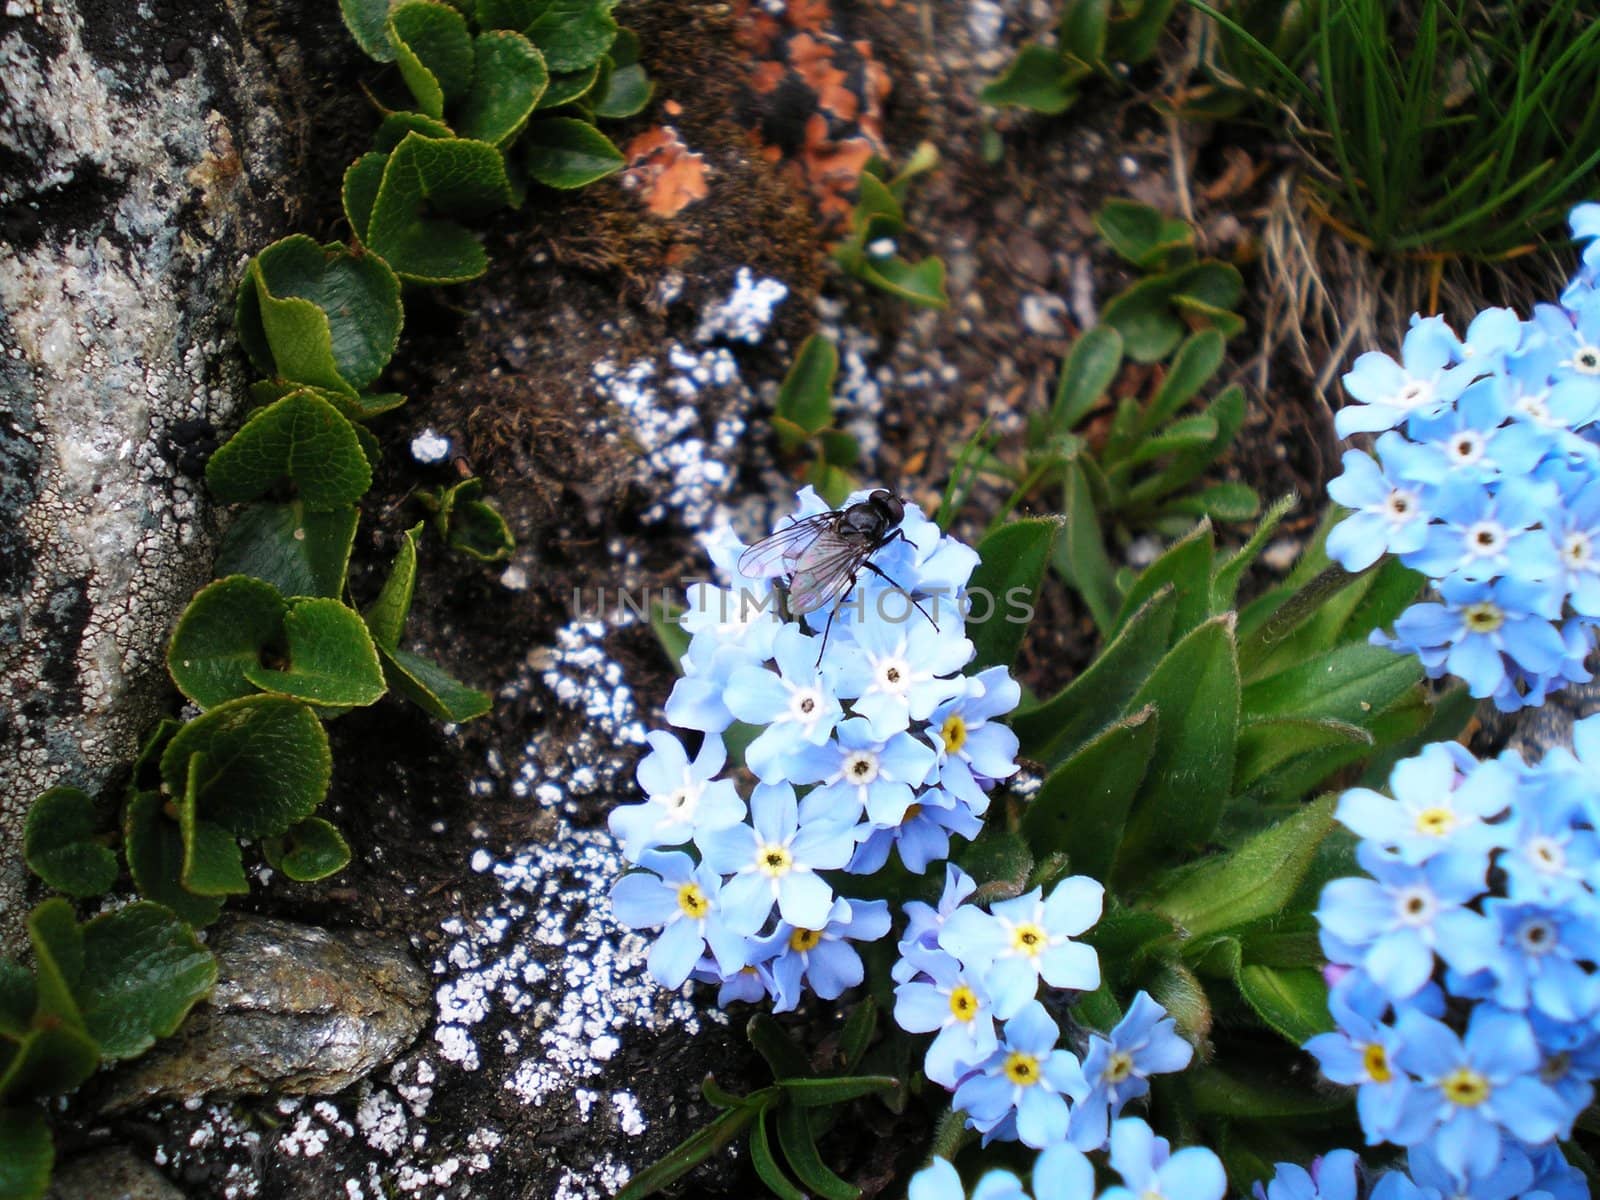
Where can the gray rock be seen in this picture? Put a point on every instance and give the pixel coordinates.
(114, 1173)
(141, 153)
(297, 1010)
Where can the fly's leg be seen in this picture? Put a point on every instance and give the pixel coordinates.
(885, 576)
(832, 613)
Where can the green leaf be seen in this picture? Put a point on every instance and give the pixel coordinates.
(1236, 1094)
(1080, 556)
(1178, 990)
(689, 1154)
(49, 1060)
(1292, 1001)
(1267, 744)
(458, 177)
(225, 630)
(311, 850)
(359, 191)
(211, 861)
(1225, 579)
(1083, 805)
(507, 82)
(143, 970)
(392, 131)
(568, 87)
(784, 1058)
(1143, 315)
(1088, 371)
(434, 52)
(1139, 233)
(800, 1148)
(1220, 502)
(1036, 79)
(1011, 566)
(856, 1036)
(822, 1093)
(154, 848)
(26, 1153)
(806, 397)
(1195, 691)
(999, 860)
(57, 961)
(469, 524)
(1185, 566)
(563, 152)
(1227, 410)
(323, 315)
(299, 552)
(1082, 28)
(301, 438)
(267, 764)
(18, 999)
(1052, 731)
(574, 34)
(1350, 683)
(431, 688)
(386, 618)
(60, 847)
(627, 93)
(367, 21)
(766, 1166)
(1192, 366)
(919, 283)
(332, 660)
(1254, 881)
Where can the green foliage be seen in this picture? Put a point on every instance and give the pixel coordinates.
(301, 442)
(62, 845)
(803, 419)
(468, 523)
(566, 153)
(1437, 127)
(1093, 37)
(1012, 563)
(297, 551)
(879, 221)
(26, 1153)
(308, 850)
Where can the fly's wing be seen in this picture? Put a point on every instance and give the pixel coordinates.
(780, 553)
(824, 572)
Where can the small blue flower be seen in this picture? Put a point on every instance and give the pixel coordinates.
(1030, 938)
(975, 749)
(856, 771)
(922, 837)
(924, 921)
(685, 902)
(823, 957)
(1389, 516)
(1443, 799)
(684, 797)
(1334, 1176)
(1023, 1088)
(775, 860)
(1509, 1179)
(797, 704)
(1388, 393)
(1542, 959)
(1150, 1171)
(953, 1002)
(939, 1181)
(899, 671)
(1555, 1175)
(1482, 535)
(1480, 631)
(1145, 1042)
(1360, 1054)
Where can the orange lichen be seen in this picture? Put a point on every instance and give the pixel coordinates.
(663, 172)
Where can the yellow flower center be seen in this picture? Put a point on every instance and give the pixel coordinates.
(964, 1003)
(1022, 1069)
(1376, 1063)
(693, 901)
(1483, 617)
(1029, 939)
(1435, 822)
(954, 733)
(804, 939)
(1465, 1087)
(1119, 1066)
(774, 860)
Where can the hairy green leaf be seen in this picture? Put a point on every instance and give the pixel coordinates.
(1011, 566)
(1083, 805)
(301, 438)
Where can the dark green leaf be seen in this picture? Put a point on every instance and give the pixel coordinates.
(1349, 683)
(859, 1027)
(1138, 232)
(1055, 729)
(60, 847)
(1036, 79)
(332, 660)
(434, 52)
(821, 1093)
(267, 764)
(507, 82)
(18, 999)
(1225, 579)
(143, 970)
(568, 87)
(800, 1148)
(391, 132)
(458, 177)
(1000, 862)
(1220, 502)
(1267, 744)
(299, 552)
(26, 1153)
(806, 397)
(1185, 566)
(386, 618)
(225, 630)
(1080, 556)
(563, 152)
(1083, 27)
(431, 688)
(1183, 434)
(1195, 362)
(1088, 371)
(367, 21)
(1177, 989)
(1011, 565)
(301, 438)
(211, 862)
(784, 1058)
(358, 195)
(1235, 1094)
(57, 961)
(154, 848)
(1083, 805)
(920, 283)
(49, 1060)
(1143, 316)
(1292, 1001)
(766, 1166)
(689, 1154)
(311, 850)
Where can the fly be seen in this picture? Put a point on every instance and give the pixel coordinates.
(822, 555)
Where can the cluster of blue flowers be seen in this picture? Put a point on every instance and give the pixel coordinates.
(868, 739)
(973, 977)
(1487, 480)
(1463, 969)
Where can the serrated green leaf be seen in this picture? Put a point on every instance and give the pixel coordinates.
(1254, 881)
(301, 438)
(806, 396)
(689, 1154)
(1087, 372)
(566, 153)
(1036, 79)
(26, 1153)
(222, 633)
(367, 21)
(1052, 731)
(434, 52)
(154, 848)
(431, 688)
(573, 34)
(331, 658)
(1291, 1001)
(212, 865)
(392, 131)
(568, 87)
(299, 552)
(143, 970)
(458, 177)
(311, 850)
(267, 764)
(1195, 691)
(507, 83)
(822, 1093)
(1080, 555)
(60, 847)
(1011, 565)
(1185, 566)
(325, 316)
(358, 194)
(1083, 805)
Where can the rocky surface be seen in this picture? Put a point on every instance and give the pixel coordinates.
(144, 151)
(297, 1011)
(114, 1173)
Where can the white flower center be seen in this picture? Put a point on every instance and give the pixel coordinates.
(774, 860)
(1537, 937)
(1466, 448)
(1415, 906)
(861, 768)
(1533, 405)
(1401, 506)
(1547, 855)
(805, 705)
(1586, 360)
(892, 675)
(1578, 552)
(1485, 539)
(680, 803)
(1414, 394)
